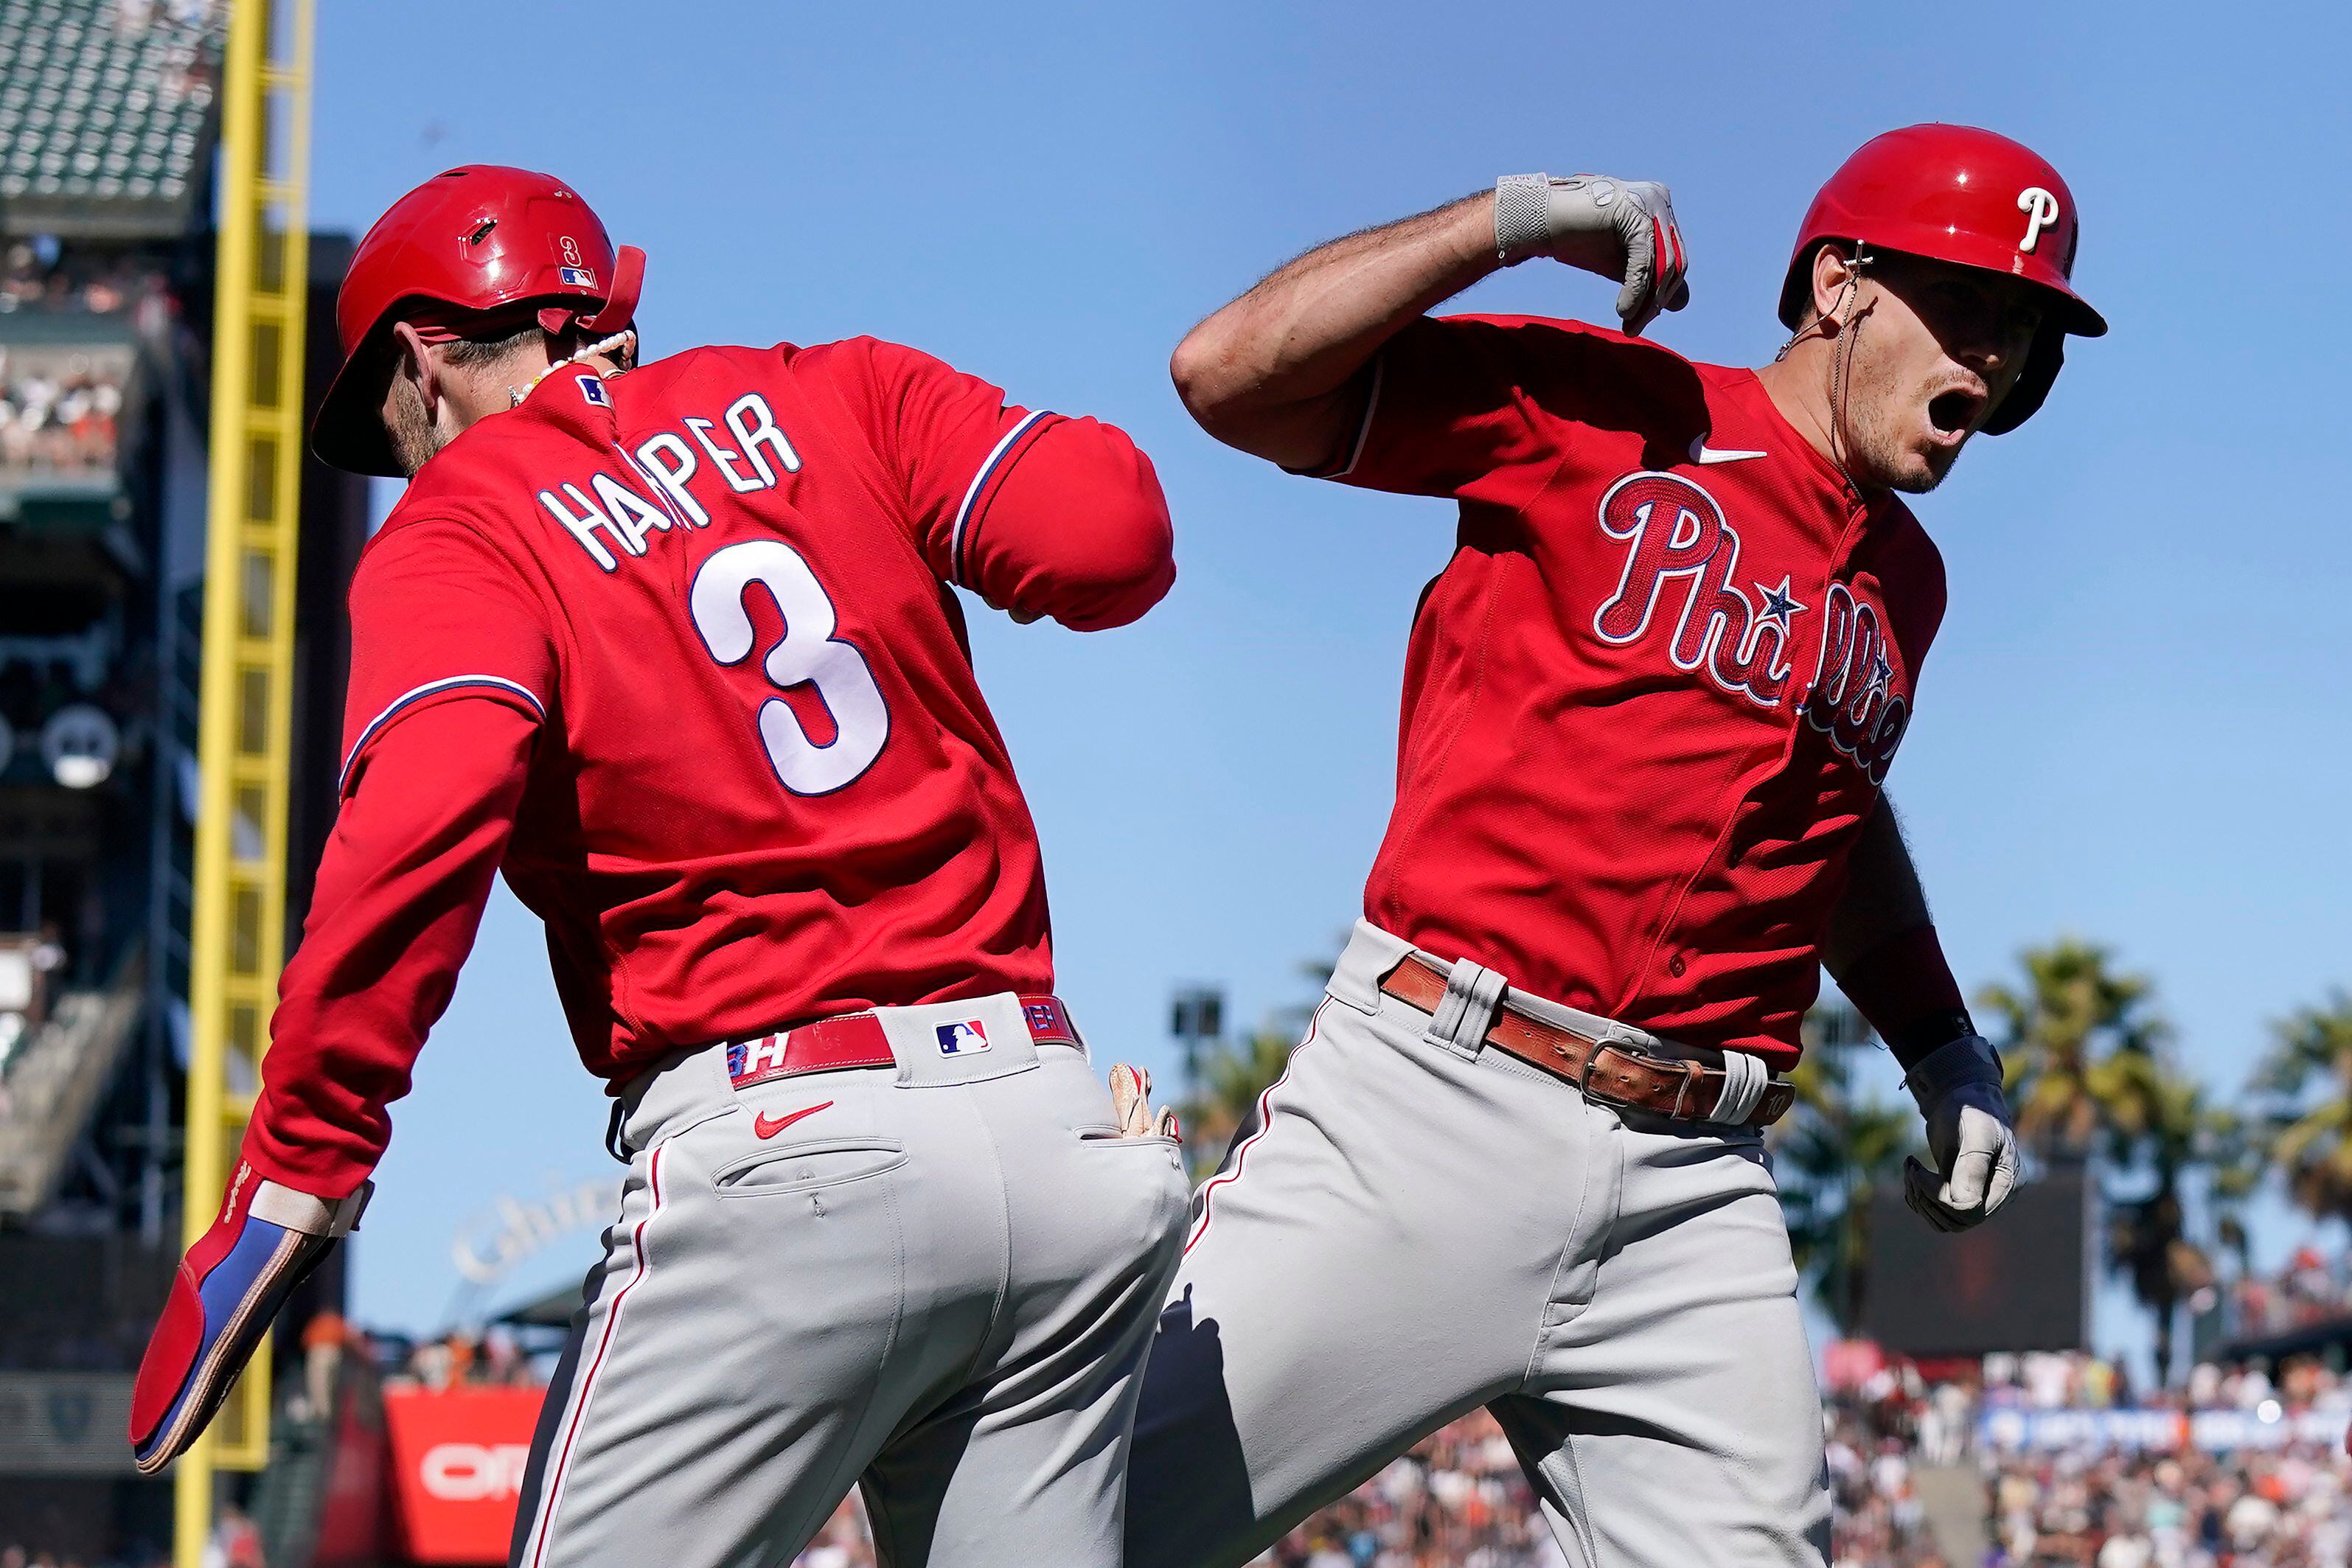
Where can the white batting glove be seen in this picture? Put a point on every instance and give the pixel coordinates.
(1622, 229)
(1130, 1098)
(1968, 1133)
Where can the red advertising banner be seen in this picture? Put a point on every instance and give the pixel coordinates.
(1848, 1364)
(457, 1457)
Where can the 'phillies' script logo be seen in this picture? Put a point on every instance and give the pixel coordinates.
(1853, 701)
(1677, 540)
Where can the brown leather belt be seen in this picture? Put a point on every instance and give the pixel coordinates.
(1685, 1091)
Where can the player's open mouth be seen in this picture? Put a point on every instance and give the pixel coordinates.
(1952, 415)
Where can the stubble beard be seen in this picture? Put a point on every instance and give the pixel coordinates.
(1882, 459)
(411, 431)
(1877, 453)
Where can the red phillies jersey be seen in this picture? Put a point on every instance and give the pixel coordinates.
(1650, 701)
(699, 613)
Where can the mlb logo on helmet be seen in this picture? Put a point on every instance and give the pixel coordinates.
(578, 276)
(964, 1039)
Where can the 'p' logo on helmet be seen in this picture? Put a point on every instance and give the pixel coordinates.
(2040, 210)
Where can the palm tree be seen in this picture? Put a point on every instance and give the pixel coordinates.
(2090, 1071)
(2236, 1157)
(2062, 1029)
(1233, 1076)
(1832, 1158)
(2157, 1125)
(2308, 1135)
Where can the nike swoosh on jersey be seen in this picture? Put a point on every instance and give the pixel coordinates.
(768, 1126)
(1703, 453)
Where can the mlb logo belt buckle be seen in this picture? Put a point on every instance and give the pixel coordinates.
(858, 1039)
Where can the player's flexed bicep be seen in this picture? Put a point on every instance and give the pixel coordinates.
(1038, 514)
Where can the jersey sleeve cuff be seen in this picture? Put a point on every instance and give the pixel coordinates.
(985, 484)
(317, 1170)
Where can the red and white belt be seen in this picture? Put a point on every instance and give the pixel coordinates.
(858, 1039)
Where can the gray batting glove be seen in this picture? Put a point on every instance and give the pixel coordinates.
(1623, 229)
(1968, 1133)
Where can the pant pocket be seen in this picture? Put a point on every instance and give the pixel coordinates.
(1146, 1175)
(1107, 1134)
(805, 1167)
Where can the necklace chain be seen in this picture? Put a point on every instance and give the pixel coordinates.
(625, 339)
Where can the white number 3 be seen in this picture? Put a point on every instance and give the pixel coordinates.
(807, 655)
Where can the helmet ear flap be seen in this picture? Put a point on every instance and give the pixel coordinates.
(621, 305)
(2043, 363)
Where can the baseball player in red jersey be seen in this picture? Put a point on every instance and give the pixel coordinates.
(1649, 707)
(675, 647)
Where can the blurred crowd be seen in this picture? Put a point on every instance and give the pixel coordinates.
(60, 411)
(2276, 1508)
(1456, 1500)
(38, 274)
(494, 1355)
(2312, 1289)
(62, 418)
(2236, 1468)
(2072, 1381)
(28, 962)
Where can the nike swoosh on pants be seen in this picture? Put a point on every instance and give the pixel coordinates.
(768, 1126)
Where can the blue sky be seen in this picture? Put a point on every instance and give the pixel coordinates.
(2133, 725)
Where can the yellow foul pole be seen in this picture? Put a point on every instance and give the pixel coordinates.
(261, 289)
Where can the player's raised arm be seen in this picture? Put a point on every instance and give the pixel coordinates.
(1282, 371)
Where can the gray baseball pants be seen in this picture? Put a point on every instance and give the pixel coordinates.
(939, 1286)
(1412, 1227)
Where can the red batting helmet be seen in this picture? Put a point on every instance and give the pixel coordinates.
(465, 252)
(1952, 193)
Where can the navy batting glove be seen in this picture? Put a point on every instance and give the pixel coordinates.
(229, 1287)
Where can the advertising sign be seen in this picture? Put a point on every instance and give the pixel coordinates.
(457, 1457)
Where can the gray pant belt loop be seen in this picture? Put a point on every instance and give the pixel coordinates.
(1743, 1080)
(1461, 1022)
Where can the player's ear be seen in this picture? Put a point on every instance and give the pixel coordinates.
(413, 363)
(1832, 275)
